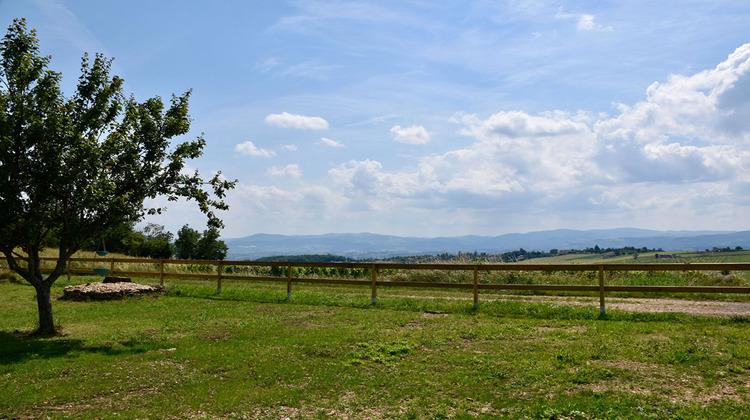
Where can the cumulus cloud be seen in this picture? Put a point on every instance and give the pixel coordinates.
(516, 152)
(290, 147)
(365, 184)
(289, 171)
(679, 135)
(249, 149)
(518, 124)
(416, 134)
(685, 130)
(300, 122)
(681, 152)
(330, 143)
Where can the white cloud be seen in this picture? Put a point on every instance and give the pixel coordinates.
(416, 134)
(518, 124)
(301, 122)
(300, 209)
(330, 143)
(671, 141)
(689, 129)
(365, 183)
(681, 154)
(249, 149)
(516, 152)
(584, 21)
(289, 171)
(267, 65)
(290, 147)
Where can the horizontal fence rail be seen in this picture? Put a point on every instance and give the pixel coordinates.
(219, 271)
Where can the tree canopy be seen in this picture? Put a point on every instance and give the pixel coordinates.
(71, 167)
(192, 245)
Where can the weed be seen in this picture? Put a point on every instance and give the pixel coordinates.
(380, 353)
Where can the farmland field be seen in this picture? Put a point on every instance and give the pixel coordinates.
(250, 352)
(648, 257)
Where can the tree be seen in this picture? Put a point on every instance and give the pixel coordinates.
(153, 241)
(210, 247)
(192, 245)
(157, 242)
(122, 238)
(186, 244)
(72, 167)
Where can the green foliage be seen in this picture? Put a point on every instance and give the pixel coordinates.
(72, 167)
(153, 241)
(380, 353)
(156, 243)
(192, 245)
(186, 244)
(121, 238)
(210, 247)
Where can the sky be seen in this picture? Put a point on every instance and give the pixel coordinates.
(421, 118)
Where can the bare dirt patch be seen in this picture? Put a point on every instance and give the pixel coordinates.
(107, 291)
(691, 307)
(669, 383)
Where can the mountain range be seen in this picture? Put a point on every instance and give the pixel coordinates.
(369, 245)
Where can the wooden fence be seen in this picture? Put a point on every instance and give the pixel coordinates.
(220, 274)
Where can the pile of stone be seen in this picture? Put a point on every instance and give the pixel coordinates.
(110, 288)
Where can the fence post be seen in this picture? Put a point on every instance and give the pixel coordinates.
(288, 281)
(161, 272)
(374, 282)
(112, 266)
(218, 286)
(601, 290)
(476, 287)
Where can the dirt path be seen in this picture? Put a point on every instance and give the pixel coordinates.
(692, 307)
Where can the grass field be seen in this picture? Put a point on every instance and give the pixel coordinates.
(328, 353)
(648, 257)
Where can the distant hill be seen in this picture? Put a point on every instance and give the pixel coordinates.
(368, 245)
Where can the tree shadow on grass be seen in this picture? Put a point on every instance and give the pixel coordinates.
(16, 347)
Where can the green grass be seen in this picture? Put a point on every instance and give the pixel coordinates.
(328, 353)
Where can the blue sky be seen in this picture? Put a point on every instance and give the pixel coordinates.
(421, 118)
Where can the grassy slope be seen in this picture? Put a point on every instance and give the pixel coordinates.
(251, 353)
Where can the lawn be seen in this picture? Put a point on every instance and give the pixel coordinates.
(328, 353)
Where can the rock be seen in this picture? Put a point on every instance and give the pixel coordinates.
(115, 279)
(107, 291)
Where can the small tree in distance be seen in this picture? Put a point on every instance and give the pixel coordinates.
(192, 245)
(186, 244)
(157, 242)
(210, 247)
(72, 167)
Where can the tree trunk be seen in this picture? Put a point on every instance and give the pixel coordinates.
(44, 303)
